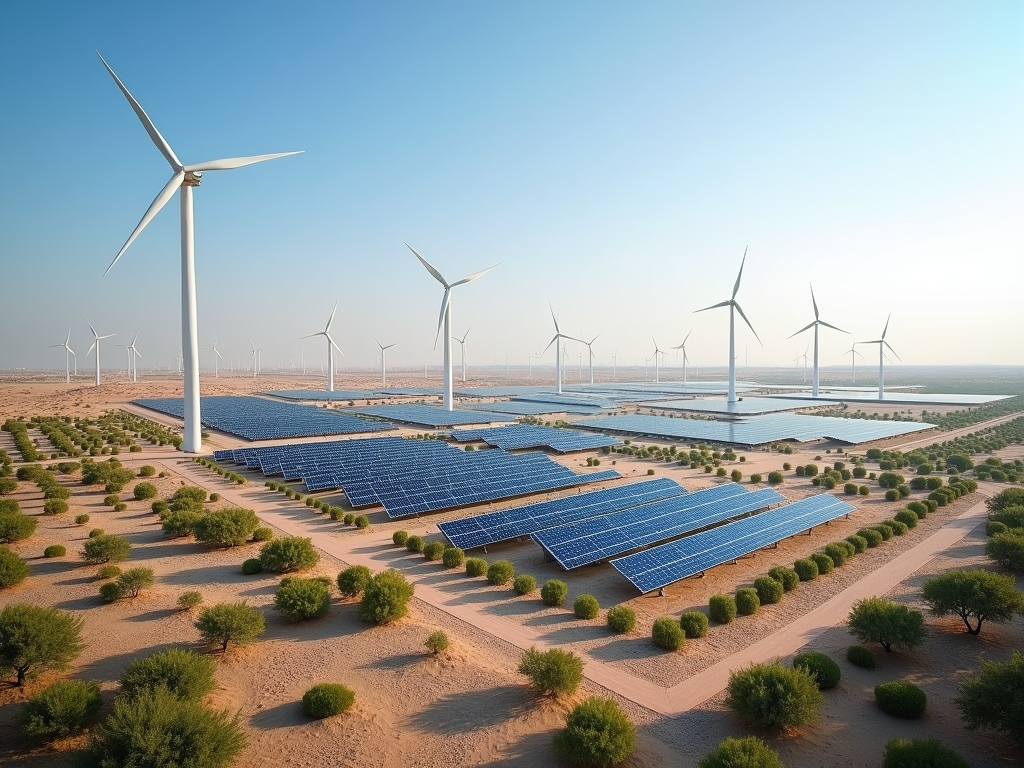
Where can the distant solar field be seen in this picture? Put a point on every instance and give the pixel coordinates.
(515, 437)
(321, 394)
(523, 408)
(428, 415)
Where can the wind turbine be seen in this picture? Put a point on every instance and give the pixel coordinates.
(817, 322)
(96, 339)
(852, 352)
(657, 361)
(462, 342)
(882, 344)
(445, 319)
(68, 353)
(184, 177)
(804, 358)
(734, 306)
(216, 359)
(615, 362)
(255, 359)
(529, 362)
(133, 362)
(590, 349)
(383, 361)
(686, 358)
(331, 346)
(558, 352)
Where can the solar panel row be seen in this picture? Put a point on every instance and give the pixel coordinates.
(428, 415)
(492, 527)
(515, 437)
(657, 567)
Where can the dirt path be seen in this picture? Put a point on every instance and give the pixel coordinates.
(938, 437)
(371, 549)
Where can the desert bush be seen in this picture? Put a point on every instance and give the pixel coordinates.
(918, 508)
(105, 548)
(806, 569)
(476, 566)
(825, 671)
(81, 519)
(143, 491)
(898, 528)
(55, 507)
(860, 656)
(500, 573)
(621, 619)
(108, 572)
(35, 638)
(747, 602)
(414, 544)
(823, 561)
(900, 699)
(160, 507)
(694, 624)
(596, 733)
(906, 517)
(755, 477)
(110, 592)
(226, 623)
(524, 584)
(668, 634)
(288, 553)
(301, 599)
(1007, 549)
(993, 700)
(361, 522)
(787, 577)
(120, 507)
(774, 478)
(992, 527)
(873, 537)
(252, 566)
(837, 553)
(348, 518)
(553, 672)
(55, 550)
(453, 557)
(327, 700)
(189, 600)
(400, 537)
(586, 607)
(386, 597)
(722, 608)
(859, 543)
(60, 709)
(974, 595)
(892, 495)
(437, 642)
(147, 471)
(353, 580)
(892, 625)
(768, 590)
(111, 499)
(134, 580)
(771, 695)
(262, 534)
(181, 523)
(554, 592)
(921, 753)
(746, 752)
(226, 527)
(95, 532)
(186, 674)
(433, 550)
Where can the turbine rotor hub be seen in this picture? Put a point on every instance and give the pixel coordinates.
(192, 179)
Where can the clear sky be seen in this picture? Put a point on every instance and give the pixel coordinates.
(615, 158)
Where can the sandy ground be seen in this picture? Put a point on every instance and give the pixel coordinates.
(470, 707)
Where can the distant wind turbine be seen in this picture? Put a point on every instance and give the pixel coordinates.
(529, 361)
(686, 359)
(216, 359)
(331, 346)
(556, 339)
(133, 362)
(462, 344)
(817, 322)
(445, 320)
(734, 306)
(805, 358)
(854, 354)
(68, 354)
(96, 339)
(882, 344)
(255, 359)
(383, 361)
(184, 177)
(657, 361)
(590, 350)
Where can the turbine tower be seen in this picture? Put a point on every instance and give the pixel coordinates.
(558, 352)
(96, 339)
(590, 350)
(133, 362)
(882, 344)
(734, 307)
(184, 177)
(383, 362)
(657, 361)
(68, 354)
(817, 322)
(686, 358)
(216, 359)
(255, 359)
(853, 353)
(331, 346)
(445, 319)
(462, 342)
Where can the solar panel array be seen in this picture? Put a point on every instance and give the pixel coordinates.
(524, 408)
(411, 477)
(492, 527)
(756, 430)
(748, 406)
(322, 394)
(428, 415)
(657, 567)
(597, 538)
(255, 418)
(516, 437)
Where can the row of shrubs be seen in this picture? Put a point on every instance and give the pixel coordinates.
(233, 477)
(1005, 529)
(336, 513)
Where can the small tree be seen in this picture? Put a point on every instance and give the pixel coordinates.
(288, 553)
(60, 709)
(13, 570)
(773, 695)
(554, 672)
(15, 526)
(184, 673)
(34, 638)
(993, 699)
(386, 597)
(1007, 549)
(596, 733)
(134, 580)
(353, 580)
(301, 599)
(226, 623)
(877, 620)
(226, 527)
(977, 595)
(747, 752)
(105, 548)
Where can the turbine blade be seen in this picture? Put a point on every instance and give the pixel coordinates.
(892, 350)
(806, 327)
(72, 352)
(389, 346)
(474, 276)
(714, 306)
(335, 346)
(873, 341)
(553, 340)
(154, 134)
(310, 336)
(686, 339)
(738, 309)
(136, 352)
(815, 303)
(829, 325)
(332, 317)
(90, 326)
(437, 275)
(553, 318)
(218, 354)
(161, 200)
(886, 325)
(91, 347)
(228, 163)
(736, 288)
(68, 340)
(108, 336)
(440, 318)
(378, 343)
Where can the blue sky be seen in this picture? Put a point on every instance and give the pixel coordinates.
(615, 158)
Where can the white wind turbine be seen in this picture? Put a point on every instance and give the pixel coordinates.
(96, 339)
(216, 359)
(383, 361)
(882, 344)
(686, 358)
(462, 343)
(853, 353)
(817, 322)
(331, 346)
(133, 363)
(255, 359)
(529, 361)
(657, 361)
(68, 354)
(445, 320)
(558, 352)
(184, 178)
(804, 358)
(734, 307)
(590, 350)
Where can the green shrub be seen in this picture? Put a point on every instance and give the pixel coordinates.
(873, 537)
(437, 642)
(898, 528)
(918, 508)
(586, 607)
(226, 527)
(824, 562)
(864, 490)
(55, 550)
(55, 507)
(262, 534)
(554, 592)
(327, 700)
(992, 527)
(768, 590)
(108, 572)
(226, 623)
(353, 580)
(787, 577)
(860, 656)
(348, 519)
(120, 507)
(825, 671)
(501, 573)
(81, 519)
(144, 491)
(182, 523)
(34, 638)
(60, 709)
(111, 592)
(746, 752)
(433, 550)
(877, 620)
(386, 597)
(906, 517)
(774, 478)
(159, 507)
(771, 695)
(288, 553)
(992, 699)
(694, 624)
(414, 544)
(453, 557)
(186, 674)
(900, 699)
(111, 499)
(859, 543)
(1007, 549)
(596, 733)
(806, 569)
(523, 584)
(400, 537)
(885, 531)
(722, 608)
(134, 580)
(252, 566)
(147, 471)
(553, 672)
(621, 619)
(892, 495)
(476, 566)
(105, 548)
(301, 599)
(361, 522)
(95, 532)
(921, 753)
(755, 477)
(747, 602)
(189, 600)
(837, 553)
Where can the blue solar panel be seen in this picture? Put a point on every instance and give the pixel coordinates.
(515, 437)
(255, 418)
(428, 415)
(320, 394)
(657, 567)
(524, 408)
(492, 527)
(598, 538)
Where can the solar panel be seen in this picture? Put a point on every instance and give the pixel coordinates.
(518, 436)
(428, 415)
(746, 406)
(524, 408)
(320, 394)
(598, 538)
(657, 567)
(492, 527)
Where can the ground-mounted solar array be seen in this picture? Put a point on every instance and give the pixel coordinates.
(756, 430)
(665, 564)
(587, 400)
(515, 437)
(410, 391)
(428, 415)
(746, 406)
(598, 538)
(524, 408)
(511, 391)
(255, 418)
(409, 477)
(494, 527)
(900, 398)
(324, 395)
